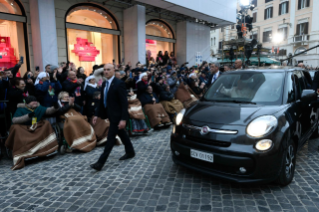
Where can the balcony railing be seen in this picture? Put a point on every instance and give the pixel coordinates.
(301, 38)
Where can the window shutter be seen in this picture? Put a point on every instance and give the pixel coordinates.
(299, 4)
(265, 15)
(298, 29)
(287, 7)
(254, 17)
(279, 13)
(271, 10)
(306, 28)
(308, 3)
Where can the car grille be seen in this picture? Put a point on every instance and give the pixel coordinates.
(208, 141)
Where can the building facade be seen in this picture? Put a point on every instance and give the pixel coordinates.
(97, 32)
(290, 25)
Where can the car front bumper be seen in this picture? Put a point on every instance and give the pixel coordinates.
(260, 167)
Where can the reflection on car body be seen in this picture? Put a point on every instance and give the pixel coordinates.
(272, 114)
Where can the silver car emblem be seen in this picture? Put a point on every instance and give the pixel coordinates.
(204, 130)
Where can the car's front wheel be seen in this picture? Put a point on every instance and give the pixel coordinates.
(288, 165)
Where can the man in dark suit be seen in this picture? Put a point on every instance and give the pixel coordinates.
(113, 105)
(215, 73)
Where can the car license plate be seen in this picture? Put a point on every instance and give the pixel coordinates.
(202, 155)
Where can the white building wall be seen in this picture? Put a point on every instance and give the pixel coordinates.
(192, 39)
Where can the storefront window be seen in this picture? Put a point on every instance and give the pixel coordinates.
(12, 38)
(86, 48)
(159, 38)
(9, 6)
(92, 37)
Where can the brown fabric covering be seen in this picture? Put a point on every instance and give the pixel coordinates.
(192, 92)
(182, 94)
(101, 129)
(135, 109)
(31, 141)
(173, 106)
(78, 133)
(190, 102)
(156, 114)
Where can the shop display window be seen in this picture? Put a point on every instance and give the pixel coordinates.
(88, 48)
(160, 30)
(12, 45)
(9, 6)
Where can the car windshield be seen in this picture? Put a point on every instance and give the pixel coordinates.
(247, 87)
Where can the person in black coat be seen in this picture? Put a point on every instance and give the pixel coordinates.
(158, 85)
(16, 94)
(74, 87)
(142, 84)
(114, 106)
(80, 74)
(148, 98)
(166, 94)
(91, 90)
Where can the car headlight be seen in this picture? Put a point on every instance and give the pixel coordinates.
(263, 145)
(179, 117)
(261, 126)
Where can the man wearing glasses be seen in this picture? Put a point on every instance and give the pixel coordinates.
(113, 105)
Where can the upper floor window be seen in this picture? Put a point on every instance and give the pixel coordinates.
(267, 36)
(303, 4)
(283, 8)
(254, 17)
(266, 1)
(268, 13)
(302, 29)
(284, 32)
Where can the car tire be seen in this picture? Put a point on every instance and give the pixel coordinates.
(288, 165)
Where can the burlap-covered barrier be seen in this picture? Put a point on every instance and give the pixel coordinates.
(27, 141)
(173, 106)
(78, 133)
(156, 114)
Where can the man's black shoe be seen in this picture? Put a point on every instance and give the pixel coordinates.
(127, 156)
(97, 166)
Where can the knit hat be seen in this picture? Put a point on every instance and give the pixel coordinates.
(29, 99)
(53, 67)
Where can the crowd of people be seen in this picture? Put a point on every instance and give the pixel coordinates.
(67, 98)
(64, 96)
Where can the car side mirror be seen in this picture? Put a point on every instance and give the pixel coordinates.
(308, 95)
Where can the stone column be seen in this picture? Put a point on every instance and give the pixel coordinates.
(134, 35)
(44, 35)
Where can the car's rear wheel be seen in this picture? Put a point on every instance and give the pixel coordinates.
(288, 165)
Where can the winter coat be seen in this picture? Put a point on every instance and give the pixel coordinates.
(47, 92)
(147, 98)
(75, 90)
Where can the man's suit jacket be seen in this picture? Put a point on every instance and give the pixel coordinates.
(117, 106)
(210, 78)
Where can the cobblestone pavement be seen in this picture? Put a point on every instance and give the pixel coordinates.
(149, 182)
